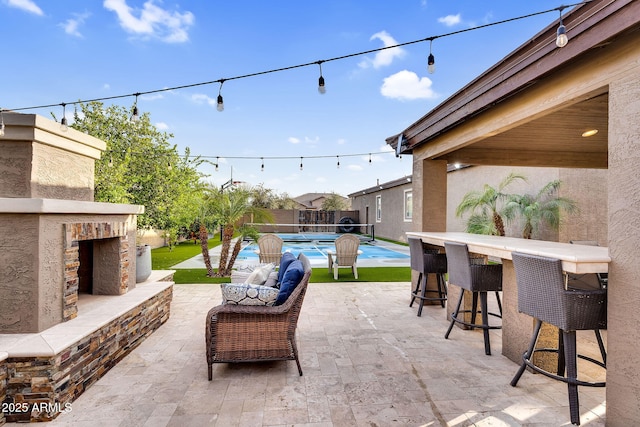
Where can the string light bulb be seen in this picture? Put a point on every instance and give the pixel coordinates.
(321, 88)
(262, 166)
(338, 164)
(217, 163)
(1, 124)
(300, 163)
(561, 38)
(169, 167)
(135, 116)
(431, 60)
(220, 103)
(63, 123)
(369, 158)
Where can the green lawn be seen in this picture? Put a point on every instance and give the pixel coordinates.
(164, 259)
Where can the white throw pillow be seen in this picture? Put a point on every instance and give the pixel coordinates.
(260, 274)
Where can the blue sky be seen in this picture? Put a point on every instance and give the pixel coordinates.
(67, 50)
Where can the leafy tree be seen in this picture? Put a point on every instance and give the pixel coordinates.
(334, 202)
(229, 208)
(483, 205)
(283, 201)
(542, 208)
(139, 166)
(267, 198)
(262, 197)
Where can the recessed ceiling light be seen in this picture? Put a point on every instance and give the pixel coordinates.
(590, 132)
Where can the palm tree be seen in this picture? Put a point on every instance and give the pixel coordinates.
(229, 208)
(485, 217)
(545, 207)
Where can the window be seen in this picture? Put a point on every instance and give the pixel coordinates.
(378, 208)
(408, 205)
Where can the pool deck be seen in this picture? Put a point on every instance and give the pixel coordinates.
(367, 360)
(198, 261)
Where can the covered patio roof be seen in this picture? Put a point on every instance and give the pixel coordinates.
(531, 108)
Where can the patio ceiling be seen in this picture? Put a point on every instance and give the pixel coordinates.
(554, 139)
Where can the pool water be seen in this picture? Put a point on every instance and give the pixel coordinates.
(319, 250)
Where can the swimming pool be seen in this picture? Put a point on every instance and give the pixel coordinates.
(375, 254)
(316, 249)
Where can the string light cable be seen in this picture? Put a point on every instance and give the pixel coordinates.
(307, 64)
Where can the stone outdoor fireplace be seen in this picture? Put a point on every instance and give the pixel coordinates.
(49, 219)
(69, 305)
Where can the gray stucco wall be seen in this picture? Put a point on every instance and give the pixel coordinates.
(392, 224)
(587, 187)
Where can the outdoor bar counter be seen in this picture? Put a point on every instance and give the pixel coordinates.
(517, 327)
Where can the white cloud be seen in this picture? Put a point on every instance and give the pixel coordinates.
(384, 57)
(153, 21)
(311, 140)
(162, 126)
(356, 168)
(26, 5)
(106, 86)
(293, 140)
(450, 20)
(321, 179)
(71, 25)
(407, 85)
(342, 141)
(201, 98)
(385, 147)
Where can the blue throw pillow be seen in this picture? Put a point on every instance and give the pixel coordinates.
(292, 276)
(287, 258)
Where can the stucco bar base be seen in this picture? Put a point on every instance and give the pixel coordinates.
(50, 369)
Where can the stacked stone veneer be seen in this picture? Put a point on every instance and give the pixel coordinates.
(3, 384)
(53, 383)
(92, 231)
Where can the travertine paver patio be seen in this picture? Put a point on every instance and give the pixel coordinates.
(367, 361)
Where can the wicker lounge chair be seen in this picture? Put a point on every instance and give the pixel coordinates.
(542, 295)
(427, 262)
(346, 254)
(269, 248)
(240, 333)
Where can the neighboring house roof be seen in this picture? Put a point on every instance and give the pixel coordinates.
(384, 186)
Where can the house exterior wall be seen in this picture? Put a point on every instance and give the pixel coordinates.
(587, 187)
(623, 378)
(392, 224)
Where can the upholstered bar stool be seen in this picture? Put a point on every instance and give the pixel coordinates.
(478, 279)
(542, 295)
(426, 261)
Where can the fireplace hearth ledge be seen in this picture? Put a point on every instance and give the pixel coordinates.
(93, 315)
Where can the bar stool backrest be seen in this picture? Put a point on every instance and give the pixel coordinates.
(459, 265)
(542, 294)
(540, 288)
(417, 254)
